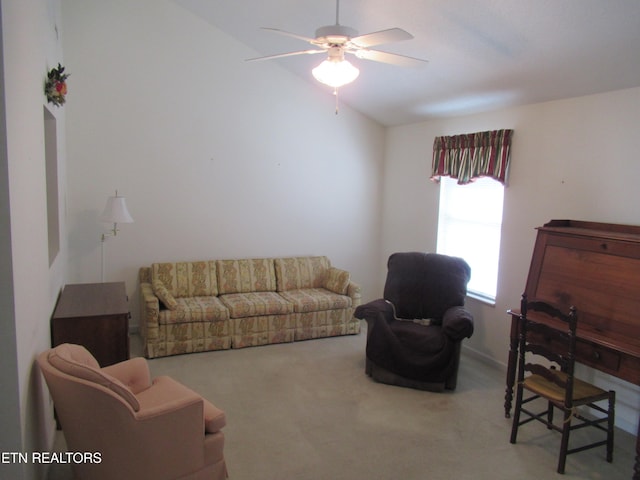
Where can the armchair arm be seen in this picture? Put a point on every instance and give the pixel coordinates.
(167, 433)
(457, 323)
(166, 395)
(371, 311)
(134, 373)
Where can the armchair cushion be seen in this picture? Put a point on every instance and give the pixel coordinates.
(414, 351)
(75, 360)
(425, 285)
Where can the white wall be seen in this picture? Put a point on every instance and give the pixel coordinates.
(574, 159)
(30, 49)
(218, 158)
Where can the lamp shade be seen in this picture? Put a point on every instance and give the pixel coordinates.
(335, 72)
(116, 211)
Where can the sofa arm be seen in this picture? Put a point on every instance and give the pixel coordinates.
(149, 308)
(144, 275)
(354, 291)
(457, 323)
(134, 373)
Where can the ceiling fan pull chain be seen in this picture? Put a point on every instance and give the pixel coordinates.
(335, 92)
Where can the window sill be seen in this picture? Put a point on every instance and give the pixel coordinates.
(482, 298)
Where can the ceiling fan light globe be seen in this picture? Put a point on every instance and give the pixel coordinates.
(335, 73)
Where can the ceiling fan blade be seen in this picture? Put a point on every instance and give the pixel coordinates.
(289, 54)
(383, 36)
(289, 34)
(392, 58)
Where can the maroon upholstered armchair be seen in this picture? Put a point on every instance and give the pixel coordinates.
(415, 332)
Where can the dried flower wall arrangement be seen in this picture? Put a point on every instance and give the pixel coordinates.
(55, 88)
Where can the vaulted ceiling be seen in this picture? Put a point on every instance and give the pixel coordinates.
(482, 54)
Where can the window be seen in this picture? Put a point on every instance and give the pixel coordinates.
(469, 226)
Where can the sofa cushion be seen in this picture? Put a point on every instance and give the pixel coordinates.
(247, 275)
(164, 295)
(315, 299)
(337, 280)
(194, 309)
(242, 305)
(301, 272)
(75, 360)
(187, 279)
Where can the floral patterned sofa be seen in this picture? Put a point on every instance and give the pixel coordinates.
(219, 304)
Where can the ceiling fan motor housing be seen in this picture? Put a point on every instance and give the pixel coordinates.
(335, 34)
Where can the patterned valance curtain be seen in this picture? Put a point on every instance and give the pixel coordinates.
(472, 155)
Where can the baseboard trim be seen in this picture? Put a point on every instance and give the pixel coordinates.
(484, 358)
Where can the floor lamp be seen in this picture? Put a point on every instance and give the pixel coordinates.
(114, 212)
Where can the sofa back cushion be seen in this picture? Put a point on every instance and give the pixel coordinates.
(246, 275)
(301, 272)
(187, 279)
(75, 360)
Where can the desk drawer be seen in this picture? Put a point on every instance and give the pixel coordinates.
(587, 353)
(597, 357)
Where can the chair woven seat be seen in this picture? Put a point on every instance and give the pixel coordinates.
(582, 391)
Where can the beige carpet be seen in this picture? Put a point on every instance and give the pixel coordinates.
(307, 411)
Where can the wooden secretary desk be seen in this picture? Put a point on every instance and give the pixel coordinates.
(596, 268)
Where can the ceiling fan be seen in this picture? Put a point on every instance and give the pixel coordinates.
(338, 40)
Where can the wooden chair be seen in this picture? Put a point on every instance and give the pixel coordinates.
(559, 388)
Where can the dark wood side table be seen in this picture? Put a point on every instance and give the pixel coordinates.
(95, 315)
